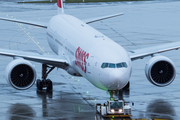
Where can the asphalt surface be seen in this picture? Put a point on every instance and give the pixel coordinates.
(73, 98)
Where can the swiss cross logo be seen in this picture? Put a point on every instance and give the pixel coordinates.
(81, 57)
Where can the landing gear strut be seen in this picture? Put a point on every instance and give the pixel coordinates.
(118, 93)
(45, 83)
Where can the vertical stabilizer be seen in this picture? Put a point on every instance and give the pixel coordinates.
(60, 6)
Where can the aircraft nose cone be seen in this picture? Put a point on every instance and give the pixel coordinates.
(115, 75)
(116, 80)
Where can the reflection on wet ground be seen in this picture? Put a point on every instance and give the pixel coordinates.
(20, 111)
(65, 106)
(74, 98)
(156, 109)
(160, 109)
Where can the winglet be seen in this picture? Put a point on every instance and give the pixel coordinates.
(60, 6)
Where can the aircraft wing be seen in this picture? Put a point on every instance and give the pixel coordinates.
(54, 60)
(87, 21)
(144, 52)
(43, 25)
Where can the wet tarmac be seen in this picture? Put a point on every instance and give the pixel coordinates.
(73, 98)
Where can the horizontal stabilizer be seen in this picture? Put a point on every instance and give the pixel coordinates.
(43, 25)
(101, 18)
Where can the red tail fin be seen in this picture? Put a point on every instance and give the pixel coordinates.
(60, 6)
(60, 3)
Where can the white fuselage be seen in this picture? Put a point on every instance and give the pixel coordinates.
(96, 57)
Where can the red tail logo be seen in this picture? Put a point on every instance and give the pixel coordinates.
(81, 57)
(60, 3)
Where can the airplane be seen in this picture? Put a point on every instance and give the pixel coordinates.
(83, 51)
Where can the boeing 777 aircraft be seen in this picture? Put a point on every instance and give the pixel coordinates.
(83, 51)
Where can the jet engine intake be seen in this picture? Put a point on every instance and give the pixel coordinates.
(20, 74)
(160, 71)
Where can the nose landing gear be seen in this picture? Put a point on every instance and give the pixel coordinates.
(114, 108)
(118, 93)
(45, 83)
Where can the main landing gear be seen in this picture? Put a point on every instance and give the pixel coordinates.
(45, 83)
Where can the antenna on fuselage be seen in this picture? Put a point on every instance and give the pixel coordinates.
(60, 6)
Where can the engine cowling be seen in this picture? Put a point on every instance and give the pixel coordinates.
(20, 74)
(160, 71)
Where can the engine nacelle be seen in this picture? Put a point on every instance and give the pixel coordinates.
(20, 74)
(160, 71)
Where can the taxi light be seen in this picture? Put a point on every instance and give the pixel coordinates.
(112, 110)
(120, 110)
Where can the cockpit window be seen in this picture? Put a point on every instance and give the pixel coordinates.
(104, 65)
(119, 65)
(123, 64)
(113, 65)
